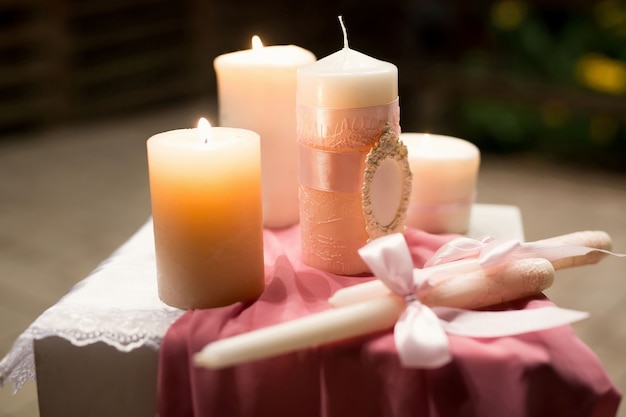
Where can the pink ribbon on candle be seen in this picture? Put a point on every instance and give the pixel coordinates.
(420, 332)
(323, 170)
(334, 144)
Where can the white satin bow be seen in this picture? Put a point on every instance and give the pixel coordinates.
(420, 332)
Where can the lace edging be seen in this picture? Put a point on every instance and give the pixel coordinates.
(122, 329)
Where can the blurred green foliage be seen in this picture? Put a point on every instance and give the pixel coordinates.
(557, 78)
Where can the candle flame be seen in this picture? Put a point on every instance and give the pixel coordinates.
(204, 129)
(256, 42)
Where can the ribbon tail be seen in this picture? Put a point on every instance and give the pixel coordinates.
(504, 323)
(420, 339)
(554, 252)
(456, 249)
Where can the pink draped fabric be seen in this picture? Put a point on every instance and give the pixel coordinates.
(549, 373)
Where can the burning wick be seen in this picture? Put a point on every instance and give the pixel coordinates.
(204, 129)
(256, 42)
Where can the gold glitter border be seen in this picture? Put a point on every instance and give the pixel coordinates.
(387, 146)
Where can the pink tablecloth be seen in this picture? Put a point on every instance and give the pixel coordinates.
(549, 373)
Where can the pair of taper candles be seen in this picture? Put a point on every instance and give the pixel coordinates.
(370, 307)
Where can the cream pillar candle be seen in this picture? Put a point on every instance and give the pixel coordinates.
(444, 170)
(206, 206)
(344, 101)
(257, 91)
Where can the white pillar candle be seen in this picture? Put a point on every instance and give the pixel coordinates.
(445, 171)
(344, 100)
(257, 91)
(206, 206)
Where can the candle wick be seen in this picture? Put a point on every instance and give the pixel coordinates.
(345, 33)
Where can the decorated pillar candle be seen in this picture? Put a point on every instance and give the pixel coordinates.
(257, 91)
(205, 189)
(345, 100)
(444, 170)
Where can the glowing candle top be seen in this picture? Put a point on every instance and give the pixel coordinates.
(277, 56)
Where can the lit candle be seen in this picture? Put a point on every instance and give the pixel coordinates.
(257, 91)
(444, 170)
(205, 186)
(344, 100)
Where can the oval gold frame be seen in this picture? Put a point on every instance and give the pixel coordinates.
(388, 146)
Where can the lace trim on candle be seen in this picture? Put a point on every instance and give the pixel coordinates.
(386, 185)
(332, 229)
(345, 129)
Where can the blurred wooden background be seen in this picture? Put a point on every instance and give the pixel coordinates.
(546, 76)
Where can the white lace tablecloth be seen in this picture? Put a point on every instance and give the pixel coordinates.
(116, 304)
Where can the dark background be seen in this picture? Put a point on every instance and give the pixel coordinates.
(547, 77)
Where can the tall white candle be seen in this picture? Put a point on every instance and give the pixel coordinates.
(206, 208)
(344, 100)
(445, 171)
(257, 91)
